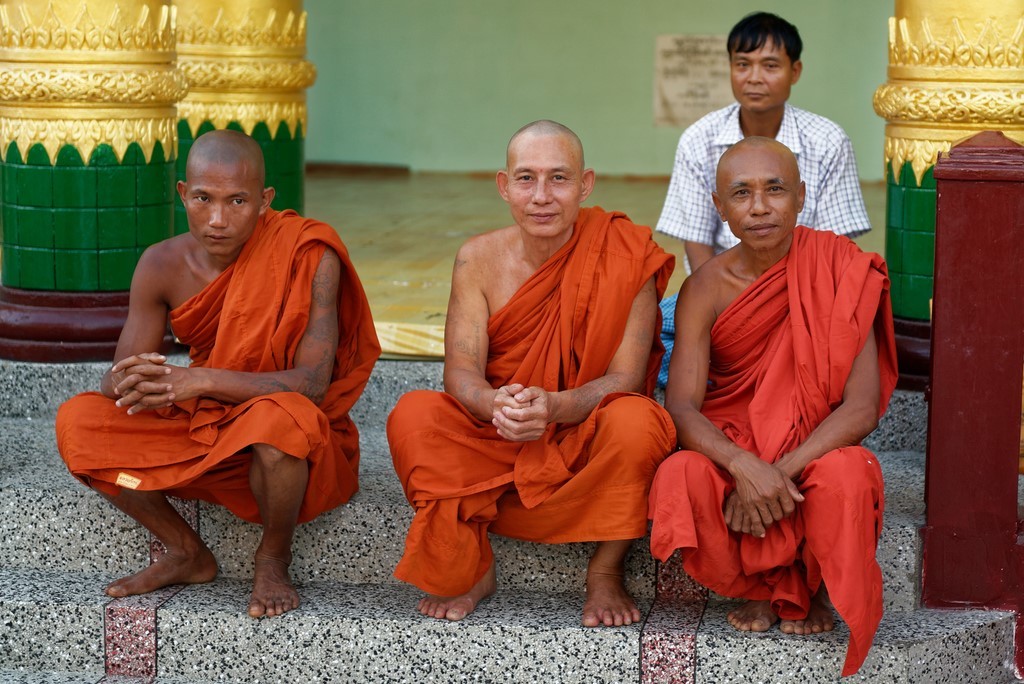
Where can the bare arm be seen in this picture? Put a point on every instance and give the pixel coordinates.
(310, 376)
(688, 376)
(626, 373)
(697, 253)
(465, 335)
(852, 421)
(143, 331)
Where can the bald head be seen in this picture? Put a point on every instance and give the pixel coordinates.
(545, 128)
(737, 157)
(227, 148)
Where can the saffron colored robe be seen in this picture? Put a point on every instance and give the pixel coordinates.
(585, 482)
(780, 357)
(250, 318)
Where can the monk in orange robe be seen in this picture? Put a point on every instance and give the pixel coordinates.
(259, 421)
(546, 431)
(785, 361)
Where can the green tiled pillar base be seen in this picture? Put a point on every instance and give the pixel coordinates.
(81, 227)
(283, 154)
(910, 241)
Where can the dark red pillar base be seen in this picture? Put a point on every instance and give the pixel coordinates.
(913, 353)
(37, 325)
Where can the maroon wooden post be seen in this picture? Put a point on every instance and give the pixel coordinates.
(971, 553)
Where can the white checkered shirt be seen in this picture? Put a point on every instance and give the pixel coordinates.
(824, 156)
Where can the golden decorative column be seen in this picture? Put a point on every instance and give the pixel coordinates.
(87, 149)
(956, 67)
(245, 63)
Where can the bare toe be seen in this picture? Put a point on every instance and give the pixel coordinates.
(608, 603)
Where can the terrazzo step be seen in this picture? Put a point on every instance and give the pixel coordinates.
(51, 521)
(26, 676)
(965, 647)
(371, 633)
(52, 622)
(38, 389)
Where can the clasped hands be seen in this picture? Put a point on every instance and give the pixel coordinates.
(522, 414)
(764, 495)
(145, 381)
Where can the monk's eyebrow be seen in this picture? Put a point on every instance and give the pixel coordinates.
(778, 180)
(564, 170)
(203, 191)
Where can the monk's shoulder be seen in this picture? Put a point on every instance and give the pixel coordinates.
(160, 270)
(711, 288)
(486, 250)
(165, 258)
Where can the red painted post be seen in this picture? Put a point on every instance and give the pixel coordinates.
(971, 553)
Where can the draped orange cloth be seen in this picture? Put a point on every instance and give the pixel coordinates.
(250, 318)
(585, 482)
(781, 354)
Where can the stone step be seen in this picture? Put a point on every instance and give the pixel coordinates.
(38, 389)
(966, 647)
(341, 633)
(51, 521)
(52, 622)
(51, 628)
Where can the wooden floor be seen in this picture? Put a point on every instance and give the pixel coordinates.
(402, 231)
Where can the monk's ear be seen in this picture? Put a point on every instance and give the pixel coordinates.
(800, 195)
(719, 208)
(268, 197)
(502, 180)
(181, 190)
(587, 186)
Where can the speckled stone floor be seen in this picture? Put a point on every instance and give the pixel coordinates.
(61, 544)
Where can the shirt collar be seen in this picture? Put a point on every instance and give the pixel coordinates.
(731, 133)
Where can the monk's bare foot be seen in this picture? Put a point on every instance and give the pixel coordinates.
(457, 607)
(608, 603)
(272, 590)
(753, 616)
(819, 618)
(173, 568)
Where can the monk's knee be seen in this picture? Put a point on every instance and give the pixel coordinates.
(269, 457)
(688, 469)
(414, 410)
(639, 423)
(842, 473)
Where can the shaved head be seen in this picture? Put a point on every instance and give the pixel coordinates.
(545, 127)
(731, 160)
(224, 147)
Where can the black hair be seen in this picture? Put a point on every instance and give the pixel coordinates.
(754, 30)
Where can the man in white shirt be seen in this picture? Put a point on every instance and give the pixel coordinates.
(764, 64)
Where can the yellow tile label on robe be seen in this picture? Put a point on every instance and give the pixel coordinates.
(126, 480)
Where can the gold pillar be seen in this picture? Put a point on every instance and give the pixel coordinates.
(245, 62)
(87, 148)
(956, 67)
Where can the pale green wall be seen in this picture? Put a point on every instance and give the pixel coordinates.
(440, 85)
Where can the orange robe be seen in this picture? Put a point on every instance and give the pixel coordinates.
(780, 357)
(585, 482)
(250, 318)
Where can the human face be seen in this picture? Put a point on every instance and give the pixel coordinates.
(223, 202)
(544, 184)
(762, 79)
(760, 195)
